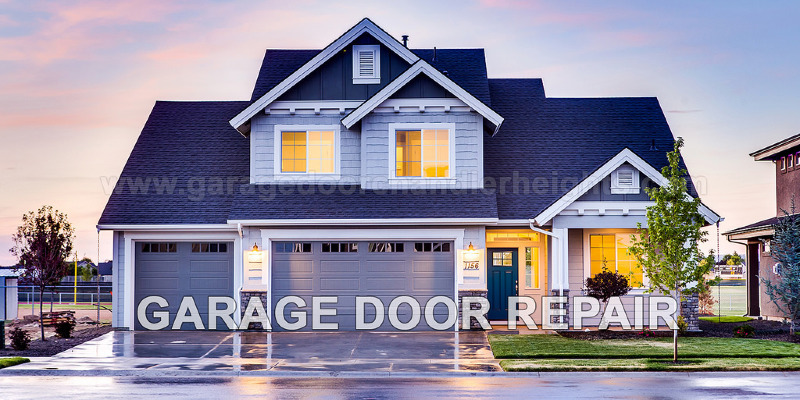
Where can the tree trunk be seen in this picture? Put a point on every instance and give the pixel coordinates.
(41, 314)
(675, 331)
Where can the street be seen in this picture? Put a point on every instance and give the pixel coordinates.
(546, 386)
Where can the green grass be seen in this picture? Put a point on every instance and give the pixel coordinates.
(555, 346)
(12, 361)
(646, 364)
(725, 319)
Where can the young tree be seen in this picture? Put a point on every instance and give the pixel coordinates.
(668, 249)
(42, 244)
(784, 290)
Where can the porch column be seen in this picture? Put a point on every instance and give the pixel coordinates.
(561, 271)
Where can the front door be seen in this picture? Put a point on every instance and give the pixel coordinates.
(503, 281)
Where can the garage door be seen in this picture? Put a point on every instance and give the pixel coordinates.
(364, 268)
(173, 270)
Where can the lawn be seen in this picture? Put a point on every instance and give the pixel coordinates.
(649, 364)
(555, 346)
(12, 361)
(726, 319)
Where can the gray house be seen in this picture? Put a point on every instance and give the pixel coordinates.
(369, 168)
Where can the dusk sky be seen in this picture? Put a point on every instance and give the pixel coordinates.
(78, 79)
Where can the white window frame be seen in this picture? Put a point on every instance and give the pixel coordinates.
(617, 188)
(790, 161)
(587, 257)
(783, 163)
(451, 175)
(300, 176)
(373, 79)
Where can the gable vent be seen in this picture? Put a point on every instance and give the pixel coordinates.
(625, 180)
(366, 64)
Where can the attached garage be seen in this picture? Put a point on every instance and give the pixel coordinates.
(173, 270)
(383, 269)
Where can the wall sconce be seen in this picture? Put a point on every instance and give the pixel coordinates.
(255, 254)
(471, 254)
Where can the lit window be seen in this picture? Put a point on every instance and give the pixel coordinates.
(625, 180)
(423, 153)
(366, 64)
(611, 251)
(503, 258)
(307, 152)
(532, 267)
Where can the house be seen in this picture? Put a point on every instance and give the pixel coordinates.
(785, 154)
(104, 269)
(369, 168)
(8, 294)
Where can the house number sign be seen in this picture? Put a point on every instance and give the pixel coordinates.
(470, 265)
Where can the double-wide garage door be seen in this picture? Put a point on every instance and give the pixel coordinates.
(384, 270)
(173, 270)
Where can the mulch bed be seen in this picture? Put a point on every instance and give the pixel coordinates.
(769, 330)
(55, 345)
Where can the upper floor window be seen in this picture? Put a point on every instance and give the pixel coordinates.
(423, 153)
(625, 180)
(790, 161)
(783, 163)
(366, 64)
(305, 151)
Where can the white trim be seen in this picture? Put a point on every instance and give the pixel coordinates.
(761, 232)
(131, 238)
(421, 67)
(365, 26)
(268, 235)
(424, 105)
(375, 77)
(168, 227)
(309, 107)
(376, 221)
(618, 188)
(603, 208)
(278, 175)
(626, 155)
(450, 179)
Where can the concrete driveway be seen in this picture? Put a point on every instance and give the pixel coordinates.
(297, 352)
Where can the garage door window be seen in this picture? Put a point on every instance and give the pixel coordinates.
(209, 247)
(293, 247)
(432, 247)
(159, 247)
(386, 247)
(337, 247)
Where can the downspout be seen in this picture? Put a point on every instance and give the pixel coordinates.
(239, 228)
(556, 239)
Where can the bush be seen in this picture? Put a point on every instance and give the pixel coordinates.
(682, 325)
(19, 339)
(606, 285)
(744, 331)
(64, 329)
(647, 333)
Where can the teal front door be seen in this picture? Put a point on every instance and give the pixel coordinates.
(502, 281)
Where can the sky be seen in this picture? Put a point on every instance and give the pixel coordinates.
(78, 79)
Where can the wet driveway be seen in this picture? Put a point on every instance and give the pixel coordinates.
(314, 352)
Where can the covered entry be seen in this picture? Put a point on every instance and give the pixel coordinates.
(346, 269)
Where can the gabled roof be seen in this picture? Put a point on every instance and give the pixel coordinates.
(552, 144)
(769, 152)
(422, 67)
(624, 156)
(365, 26)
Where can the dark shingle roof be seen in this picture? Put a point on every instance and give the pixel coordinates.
(188, 143)
(756, 226)
(554, 143)
(350, 202)
(466, 67)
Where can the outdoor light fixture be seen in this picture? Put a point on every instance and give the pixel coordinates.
(471, 247)
(255, 254)
(471, 257)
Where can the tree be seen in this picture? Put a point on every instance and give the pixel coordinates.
(42, 244)
(784, 290)
(668, 250)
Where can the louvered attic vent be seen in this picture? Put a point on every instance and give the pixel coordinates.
(366, 64)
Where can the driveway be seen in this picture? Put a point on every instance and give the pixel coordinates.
(296, 352)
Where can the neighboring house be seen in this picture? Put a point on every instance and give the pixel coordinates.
(757, 236)
(729, 272)
(369, 168)
(104, 269)
(8, 293)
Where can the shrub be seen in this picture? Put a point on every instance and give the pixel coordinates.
(744, 331)
(606, 285)
(64, 329)
(682, 325)
(647, 333)
(19, 339)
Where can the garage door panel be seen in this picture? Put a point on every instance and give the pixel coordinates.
(175, 275)
(385, 275)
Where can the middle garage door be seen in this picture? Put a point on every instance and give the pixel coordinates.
(363, 268)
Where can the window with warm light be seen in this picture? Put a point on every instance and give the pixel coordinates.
(532, 267)
(612, 252)
(311, 152)
(422, 153)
